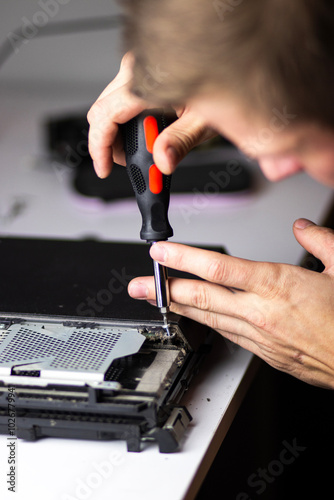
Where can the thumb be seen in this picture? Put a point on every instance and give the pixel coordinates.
(318, 241)
(178, 139)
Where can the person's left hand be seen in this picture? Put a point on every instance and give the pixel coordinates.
(282, 313)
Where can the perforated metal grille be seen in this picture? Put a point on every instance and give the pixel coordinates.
(28, 344)
(58, 351)
(91, 342)
(113, 373)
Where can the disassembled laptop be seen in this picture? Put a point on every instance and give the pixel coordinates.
(112, 376)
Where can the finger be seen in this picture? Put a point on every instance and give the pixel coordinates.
(123, 76)
(247, 329)
(319, 241)
(178, 139)
(233, 329)
(201, 295)
(104, 117)
(247, 336)
(230, 324)
(259, 277)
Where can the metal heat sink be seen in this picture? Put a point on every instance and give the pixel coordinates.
(65, 352)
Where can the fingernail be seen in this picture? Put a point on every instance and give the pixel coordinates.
(97, 169)
(158, 252)
(138, 290)
(303, 223)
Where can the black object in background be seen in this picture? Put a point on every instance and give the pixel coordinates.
(71, 278)
(279, 446)
(204, 168)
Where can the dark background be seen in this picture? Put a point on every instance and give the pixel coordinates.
(278, 408)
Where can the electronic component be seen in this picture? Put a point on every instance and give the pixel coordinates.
(96, 381)
(83, 359)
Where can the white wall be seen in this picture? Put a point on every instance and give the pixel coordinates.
(87, 59)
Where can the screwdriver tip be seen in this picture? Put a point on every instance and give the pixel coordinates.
(166, 325)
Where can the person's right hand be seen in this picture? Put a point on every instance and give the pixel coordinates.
(117, 105)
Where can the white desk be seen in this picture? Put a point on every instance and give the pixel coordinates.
(255, 226)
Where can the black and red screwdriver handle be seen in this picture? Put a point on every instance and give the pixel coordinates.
(151, 187)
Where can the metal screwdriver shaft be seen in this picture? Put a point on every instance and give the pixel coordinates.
(162, 292)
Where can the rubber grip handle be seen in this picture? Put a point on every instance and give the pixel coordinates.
(151, 187)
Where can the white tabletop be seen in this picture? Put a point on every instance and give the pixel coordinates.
(36, 200)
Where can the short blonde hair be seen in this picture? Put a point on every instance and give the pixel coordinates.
(270, 53)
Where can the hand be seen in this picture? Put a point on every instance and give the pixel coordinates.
(117, 105)
(282, 313)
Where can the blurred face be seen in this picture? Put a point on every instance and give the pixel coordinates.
(281, 145)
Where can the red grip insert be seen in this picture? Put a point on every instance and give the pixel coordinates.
(151, 132)
(155, 179)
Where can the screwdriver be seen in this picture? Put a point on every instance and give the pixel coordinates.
(152, 190)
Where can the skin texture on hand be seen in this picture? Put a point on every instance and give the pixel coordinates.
(117, 105)
(282, 313)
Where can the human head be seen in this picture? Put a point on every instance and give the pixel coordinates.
(264, 55)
